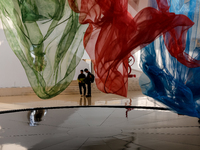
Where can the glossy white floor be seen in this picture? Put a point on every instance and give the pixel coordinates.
(98, 128)
(135, 98)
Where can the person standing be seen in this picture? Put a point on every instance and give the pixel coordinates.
(89, 79)
(81, 82)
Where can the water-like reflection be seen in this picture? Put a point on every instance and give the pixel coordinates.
(128, 109)
(35, 116)
(85, 101)
(93, 128)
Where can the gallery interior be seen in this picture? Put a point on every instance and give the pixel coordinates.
(144, 95)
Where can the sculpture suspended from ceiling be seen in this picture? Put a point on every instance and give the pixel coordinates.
(46, 37)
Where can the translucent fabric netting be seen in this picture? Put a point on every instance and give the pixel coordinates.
(114, 34)
(167, 79)
(46, 37)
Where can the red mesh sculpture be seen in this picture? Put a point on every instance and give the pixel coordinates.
(114, 34)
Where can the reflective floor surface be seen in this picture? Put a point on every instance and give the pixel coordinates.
(135, 98)
(102, 122)
(98, 129)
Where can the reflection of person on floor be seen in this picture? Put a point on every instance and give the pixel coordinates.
(84, 99)
(81, 82)
(89, 101)
(35, 116)
(128, 109)
(88, 81)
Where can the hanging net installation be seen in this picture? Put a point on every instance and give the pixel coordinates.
(49, 38)
(46, 36)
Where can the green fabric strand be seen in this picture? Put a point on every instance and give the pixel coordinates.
(46, 37)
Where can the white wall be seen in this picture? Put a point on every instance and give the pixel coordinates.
(12, 73)
(136, 66)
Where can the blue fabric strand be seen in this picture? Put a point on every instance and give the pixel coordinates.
(164, 78)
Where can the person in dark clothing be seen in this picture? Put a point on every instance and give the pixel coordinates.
(81, 82)
(88, 82)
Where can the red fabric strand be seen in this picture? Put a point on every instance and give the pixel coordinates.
(113, 34)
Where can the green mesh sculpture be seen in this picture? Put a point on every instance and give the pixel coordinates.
(47, 38)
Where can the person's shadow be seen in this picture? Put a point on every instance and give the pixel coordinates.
(85, 101)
